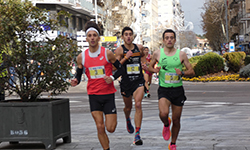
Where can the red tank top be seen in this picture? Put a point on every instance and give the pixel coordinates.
(95, 69)
(148, 58)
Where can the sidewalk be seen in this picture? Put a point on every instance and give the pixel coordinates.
(209, 126)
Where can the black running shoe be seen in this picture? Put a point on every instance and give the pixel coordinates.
(138, 140)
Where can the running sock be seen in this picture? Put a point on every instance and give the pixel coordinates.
(130, 128)
(137, 131)
(128, 120)
(172, 143)
(107, 149)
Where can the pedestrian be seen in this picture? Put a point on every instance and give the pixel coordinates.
(132, 84)
(145, 59)
(100, 88)
(170, 91)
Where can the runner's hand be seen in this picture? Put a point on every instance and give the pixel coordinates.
(108, 79)
(145, 67)
(74, 82)
(129, 54)
(178, 71)
(157, 69)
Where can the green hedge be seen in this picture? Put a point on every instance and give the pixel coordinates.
(209, 63)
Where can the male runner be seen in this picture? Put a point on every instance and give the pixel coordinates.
(170, 91)
(98, 67)
(145, 59)
(132, 85)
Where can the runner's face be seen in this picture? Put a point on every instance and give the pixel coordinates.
(128, 37)
(169, 40)
(146, 51)
(92, 38)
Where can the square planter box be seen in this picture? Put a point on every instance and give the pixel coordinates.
(45, 121)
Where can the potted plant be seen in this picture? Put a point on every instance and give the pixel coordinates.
(35, 63)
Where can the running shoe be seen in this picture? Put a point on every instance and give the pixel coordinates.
(130, 127)
(137, 140)
(149, 95)
(145, 95)
(166, 133)
(171, 147)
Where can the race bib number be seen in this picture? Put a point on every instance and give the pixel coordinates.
(97, 72)
(172, 78)
(133, 69)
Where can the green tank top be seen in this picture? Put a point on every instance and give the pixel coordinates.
(167, 74)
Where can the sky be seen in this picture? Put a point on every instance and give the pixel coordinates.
(192, 11)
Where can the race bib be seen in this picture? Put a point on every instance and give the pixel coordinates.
(133, 69)
(172, 78)
(97, 72)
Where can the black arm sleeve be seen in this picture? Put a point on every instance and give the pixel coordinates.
(120, 69)
(78, 75)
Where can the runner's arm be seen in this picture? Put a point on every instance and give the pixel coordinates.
(79, 71)
(116, 63)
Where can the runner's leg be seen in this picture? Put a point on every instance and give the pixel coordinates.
(102, 136)
(176, 116)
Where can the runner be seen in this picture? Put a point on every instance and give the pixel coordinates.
(146, 57)
(170, 91)
(132, 85)
(98, 67)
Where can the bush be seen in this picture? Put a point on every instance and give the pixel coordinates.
(209, 63)
(234, 60)
(193, 61)
(24, 37)
(247, 60)
(245, 71)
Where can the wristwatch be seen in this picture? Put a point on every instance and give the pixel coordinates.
(182, 73)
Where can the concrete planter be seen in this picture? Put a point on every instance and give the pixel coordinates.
(44, 121)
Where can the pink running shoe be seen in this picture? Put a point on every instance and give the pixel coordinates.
(166, 133)
(171, 147)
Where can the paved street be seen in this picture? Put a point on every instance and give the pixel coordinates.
(216, 116)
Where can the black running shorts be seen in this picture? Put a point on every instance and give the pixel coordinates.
(129, 88)
(104, 103)
(176, 95)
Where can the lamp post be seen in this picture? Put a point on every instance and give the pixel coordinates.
(96, 11)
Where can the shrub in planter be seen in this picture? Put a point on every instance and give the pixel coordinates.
(245, 71)
(40, 63)
(209, 63)
(234, 60)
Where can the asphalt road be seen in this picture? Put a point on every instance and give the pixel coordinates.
(216, 116)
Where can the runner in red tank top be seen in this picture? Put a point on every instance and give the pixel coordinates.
(146, 58)
(98, 67)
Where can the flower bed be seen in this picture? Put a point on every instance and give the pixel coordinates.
(217, 77)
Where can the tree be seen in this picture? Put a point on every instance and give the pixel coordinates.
(187, 39)
(214, 23)
(41, 63)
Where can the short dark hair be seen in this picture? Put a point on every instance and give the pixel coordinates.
(90, 24)
(169, 31)
(125, 29)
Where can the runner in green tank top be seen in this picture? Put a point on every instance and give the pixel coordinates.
(170, 91)
(167, 75)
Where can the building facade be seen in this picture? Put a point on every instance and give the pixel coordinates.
(239, 24)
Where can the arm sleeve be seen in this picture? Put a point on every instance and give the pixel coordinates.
(78, 75)
(120, 69)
